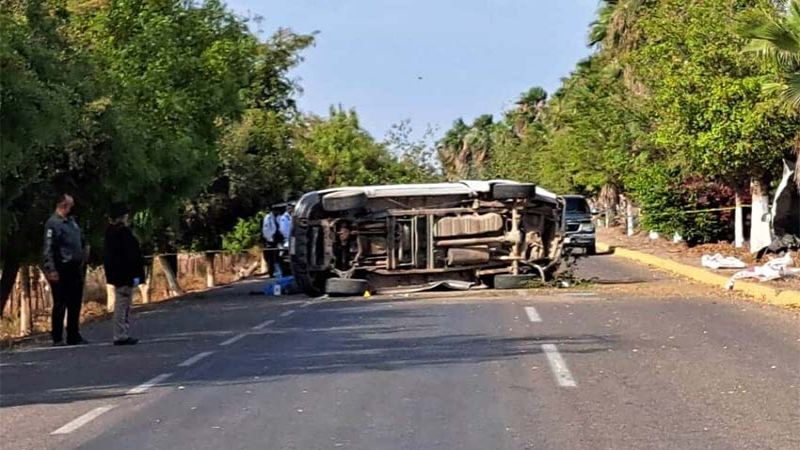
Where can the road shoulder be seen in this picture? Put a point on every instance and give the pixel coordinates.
(784, 298)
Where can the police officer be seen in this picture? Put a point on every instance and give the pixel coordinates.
(64, 264)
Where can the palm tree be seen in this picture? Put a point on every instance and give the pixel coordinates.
(778, 39)
(614, 27)
(529, 108)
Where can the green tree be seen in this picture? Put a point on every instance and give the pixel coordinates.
(451, 151)
(258, 162)
(777, 39)
(46, 95)
(464, 151)
(417, 161)
(705, 102)
(343, 153)
(172, 72)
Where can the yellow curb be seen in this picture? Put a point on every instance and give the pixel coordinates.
(765, 293)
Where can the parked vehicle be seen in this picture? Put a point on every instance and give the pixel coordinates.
(350, 239)
(580, 232)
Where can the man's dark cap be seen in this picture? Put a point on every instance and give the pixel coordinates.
(118, 209)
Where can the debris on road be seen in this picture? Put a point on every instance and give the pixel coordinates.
(773, 270)
(719, 261)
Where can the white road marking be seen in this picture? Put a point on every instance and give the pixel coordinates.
(263, 325)
(83, 420)
(233, 339)
(148, 384)
(533, 316)
(195, 358)
(559, 367)
(286, 313)
(308, 303)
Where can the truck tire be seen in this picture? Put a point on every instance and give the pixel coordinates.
(345, 286)
(344, 201)
(591, 250)
(523, 281)
(513, 191)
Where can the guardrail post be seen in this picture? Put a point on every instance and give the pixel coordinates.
(111, 297)
(210, 270)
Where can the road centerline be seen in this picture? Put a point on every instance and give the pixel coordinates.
(558, 366)
(233, 339)
(78, 422)
(148, 384)
(264, 324)
(195, 359)
(533, 316)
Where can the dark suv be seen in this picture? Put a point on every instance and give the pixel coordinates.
(579, 225)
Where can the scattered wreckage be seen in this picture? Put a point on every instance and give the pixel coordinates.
(783, 238)
(459, 235)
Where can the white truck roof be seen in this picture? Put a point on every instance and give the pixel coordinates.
(469, 187)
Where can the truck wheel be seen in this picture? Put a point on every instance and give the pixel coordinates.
(591, 250)
(513, 191)
(523, 281)
(344, 201)
(345, 286)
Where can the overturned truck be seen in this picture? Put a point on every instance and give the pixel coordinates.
(401, 237)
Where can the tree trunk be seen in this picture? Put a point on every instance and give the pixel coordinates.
(9, 277)
(210, 270)
(760, 234)
(171, 275)
(25, 319)
(738, 241)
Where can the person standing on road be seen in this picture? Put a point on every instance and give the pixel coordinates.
(124, 268)
(285, 225)
(269, 228)
(64, 265)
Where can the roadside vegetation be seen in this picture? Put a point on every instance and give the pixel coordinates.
(173, 106)
(682, 106)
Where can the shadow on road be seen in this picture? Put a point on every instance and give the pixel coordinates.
(327, 338)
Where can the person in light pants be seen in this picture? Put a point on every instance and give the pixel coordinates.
(124, 267)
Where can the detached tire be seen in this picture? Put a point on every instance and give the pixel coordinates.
(513, 191)
(523, 281)
(345, 286)
(344, 201)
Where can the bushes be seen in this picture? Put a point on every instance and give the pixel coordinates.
(667, 199)
(244, 235)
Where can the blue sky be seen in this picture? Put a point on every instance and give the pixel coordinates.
(473, 56)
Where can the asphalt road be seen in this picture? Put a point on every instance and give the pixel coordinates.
(636, 360)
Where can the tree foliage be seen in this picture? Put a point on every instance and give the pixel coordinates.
(669, 109)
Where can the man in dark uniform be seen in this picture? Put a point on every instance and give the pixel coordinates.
(64, 264)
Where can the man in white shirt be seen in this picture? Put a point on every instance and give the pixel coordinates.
(285, 225)
(268, 229)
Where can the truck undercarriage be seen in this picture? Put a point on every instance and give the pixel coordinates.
(345, 241)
